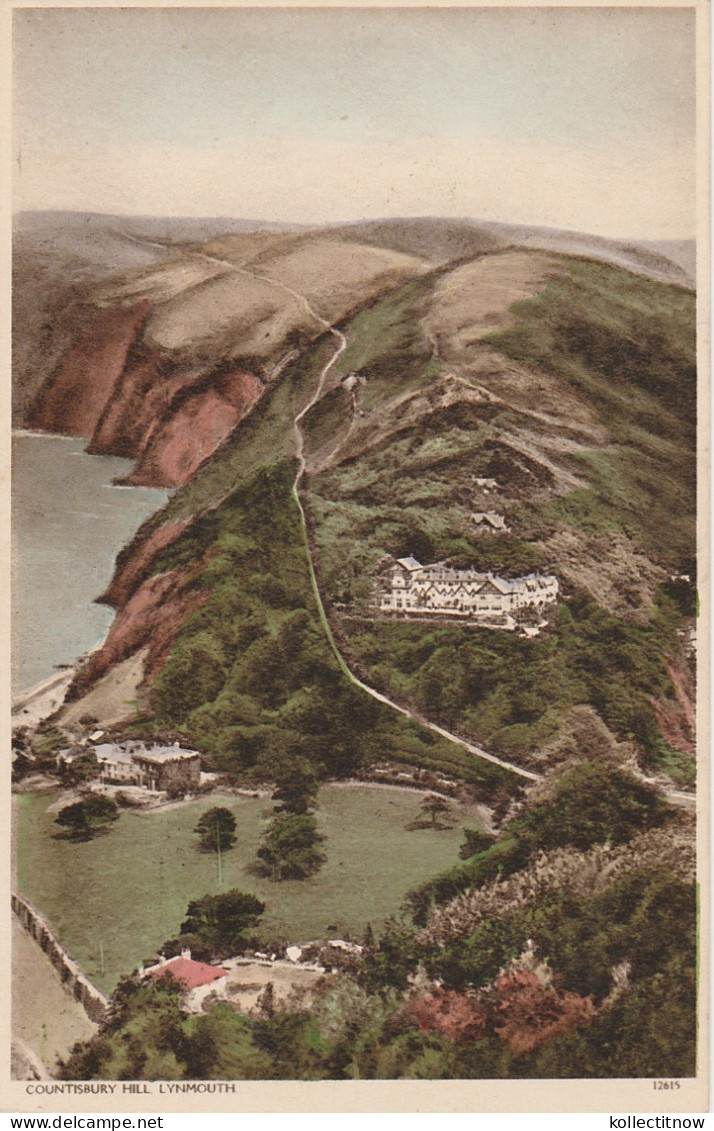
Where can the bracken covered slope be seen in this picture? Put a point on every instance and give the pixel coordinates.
(567, 382)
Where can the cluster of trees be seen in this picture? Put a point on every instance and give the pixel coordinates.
(34, 752)
(290, 848)
(291, 843)
(474, 681)
(590, 804)
(251, 677)
(611, 991)
(88, 817)
(251, 673)
(83, 767)
(217, 926)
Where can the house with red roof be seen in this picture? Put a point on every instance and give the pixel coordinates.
(197, 979)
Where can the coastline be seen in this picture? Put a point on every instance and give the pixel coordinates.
(31, 707)
(24, 432)
(105, 527)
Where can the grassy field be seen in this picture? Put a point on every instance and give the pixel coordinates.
(126, 892)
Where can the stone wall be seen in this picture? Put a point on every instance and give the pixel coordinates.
(93, 1002)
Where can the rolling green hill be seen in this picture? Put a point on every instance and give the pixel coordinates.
(571, 383)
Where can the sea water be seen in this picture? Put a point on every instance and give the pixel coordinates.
(68, 524)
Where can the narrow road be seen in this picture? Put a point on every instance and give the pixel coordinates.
(302, 466)
(340, 348)
(676, 797)
(143, 241)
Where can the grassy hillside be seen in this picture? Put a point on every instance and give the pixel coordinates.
(600, 461)
(252, 677)
(629, 345)
(565, 944)
(153, 898)
(625, 347)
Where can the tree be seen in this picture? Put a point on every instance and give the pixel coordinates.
(85, 818)
(592, 804)
(216, 925)
(297, 785)
(23, 757)
(394, 961)
(435, 808)
(265, 1004)
(290, 848)
(216, 828)
(83, 766)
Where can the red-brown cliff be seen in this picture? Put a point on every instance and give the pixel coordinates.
(130, 413)
(676, 717)
(169, 415)
(194, 427)
(130, 401)
(74, 399)
(150, 619)
(134, 562)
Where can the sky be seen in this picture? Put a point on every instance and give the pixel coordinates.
(579, 118)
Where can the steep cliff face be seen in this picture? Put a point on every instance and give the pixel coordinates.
(141, 397)
(135, 561)
(199, 420)
(165, 362)
(150, 621)
(131, 401)
(74, 399)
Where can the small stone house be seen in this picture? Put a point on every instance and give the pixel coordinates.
(167, 766)
(197, 979)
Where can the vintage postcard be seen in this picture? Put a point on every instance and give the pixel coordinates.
(359, 592)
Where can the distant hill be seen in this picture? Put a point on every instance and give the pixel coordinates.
(580, 408)
(445, 240)
(438, 240)
(681, 252)
(642, 257)
(61, 258)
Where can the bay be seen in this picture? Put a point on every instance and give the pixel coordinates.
(68, 524)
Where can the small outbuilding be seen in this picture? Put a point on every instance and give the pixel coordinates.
(187, 971)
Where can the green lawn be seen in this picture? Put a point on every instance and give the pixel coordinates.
(128, 889)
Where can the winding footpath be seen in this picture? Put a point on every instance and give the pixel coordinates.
(340, 348)
(300, 454)
(676, 797)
